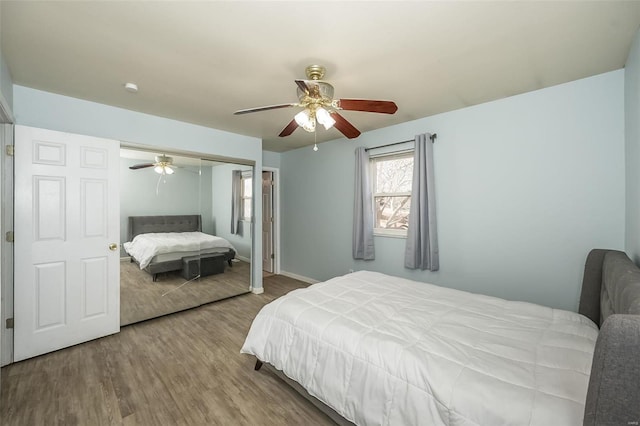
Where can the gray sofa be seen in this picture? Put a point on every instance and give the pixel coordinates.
(611, 298)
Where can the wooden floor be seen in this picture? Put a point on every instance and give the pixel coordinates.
(182, 369)
(141, 298)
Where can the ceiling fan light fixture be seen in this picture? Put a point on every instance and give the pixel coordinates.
(306, 120)
(163, 169)
(324, 118)
(311, 125)
(302, 118)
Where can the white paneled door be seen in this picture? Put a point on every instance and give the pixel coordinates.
(67, 269)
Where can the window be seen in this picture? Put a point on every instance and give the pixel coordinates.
(246, 194)
(391, 177)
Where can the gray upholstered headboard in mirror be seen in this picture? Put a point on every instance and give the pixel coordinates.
(178, 223)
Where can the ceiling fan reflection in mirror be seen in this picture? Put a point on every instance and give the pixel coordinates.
(163, 165)
(316, 97)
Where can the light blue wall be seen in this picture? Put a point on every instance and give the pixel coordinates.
(271, 159)
(56, 112)
(184, 192)
(221, 177)
(632, 149)
(6, 85)
(525, 187)
(50, 111)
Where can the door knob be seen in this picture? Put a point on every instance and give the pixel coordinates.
(113, 247)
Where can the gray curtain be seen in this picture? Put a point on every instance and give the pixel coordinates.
(236, 200)
(362, 209)
(422, 237)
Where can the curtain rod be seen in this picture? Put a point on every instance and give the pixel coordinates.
(433, 140)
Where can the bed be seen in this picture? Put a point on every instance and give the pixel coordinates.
(160, 243)
(372, 349)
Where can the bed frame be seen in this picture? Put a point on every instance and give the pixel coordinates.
(610, 297)
(175, 223)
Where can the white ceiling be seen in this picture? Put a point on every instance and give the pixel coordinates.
(200, 61)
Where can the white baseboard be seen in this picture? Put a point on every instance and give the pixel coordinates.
(299, 277)
(258, 290)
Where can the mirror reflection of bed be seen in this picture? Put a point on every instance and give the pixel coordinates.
(179, 250)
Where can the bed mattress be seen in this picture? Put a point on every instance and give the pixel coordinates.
(383, 350)
(162, 247)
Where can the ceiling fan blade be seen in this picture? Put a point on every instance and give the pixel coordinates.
(264, 108)
(368, 105)
(289, 129)
(344, 126)
(303, 86)
(142, 166)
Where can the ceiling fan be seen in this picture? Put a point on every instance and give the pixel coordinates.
(316, 97)
(163, 165)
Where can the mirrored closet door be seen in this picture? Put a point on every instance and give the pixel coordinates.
(186, 231)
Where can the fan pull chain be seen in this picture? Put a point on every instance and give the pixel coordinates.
(158, 184)
(315, 141)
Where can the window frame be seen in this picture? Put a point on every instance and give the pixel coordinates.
(246, 175)
(384, 232)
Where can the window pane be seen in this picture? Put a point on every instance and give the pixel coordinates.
(246, 208)
(394, 174)
(246, 190)
(392, 212)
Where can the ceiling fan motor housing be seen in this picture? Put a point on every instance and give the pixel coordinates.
(317, 90)
(163, 159)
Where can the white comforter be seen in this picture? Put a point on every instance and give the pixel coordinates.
(145, 246)
(383, 350)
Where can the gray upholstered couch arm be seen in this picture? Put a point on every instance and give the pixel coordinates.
(613, 397)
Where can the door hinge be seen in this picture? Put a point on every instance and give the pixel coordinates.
(273, 256)
(9, 323)
(9, 236)
(10, 150)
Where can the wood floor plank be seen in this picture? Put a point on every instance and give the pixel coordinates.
(142, 299)
(182, 369)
